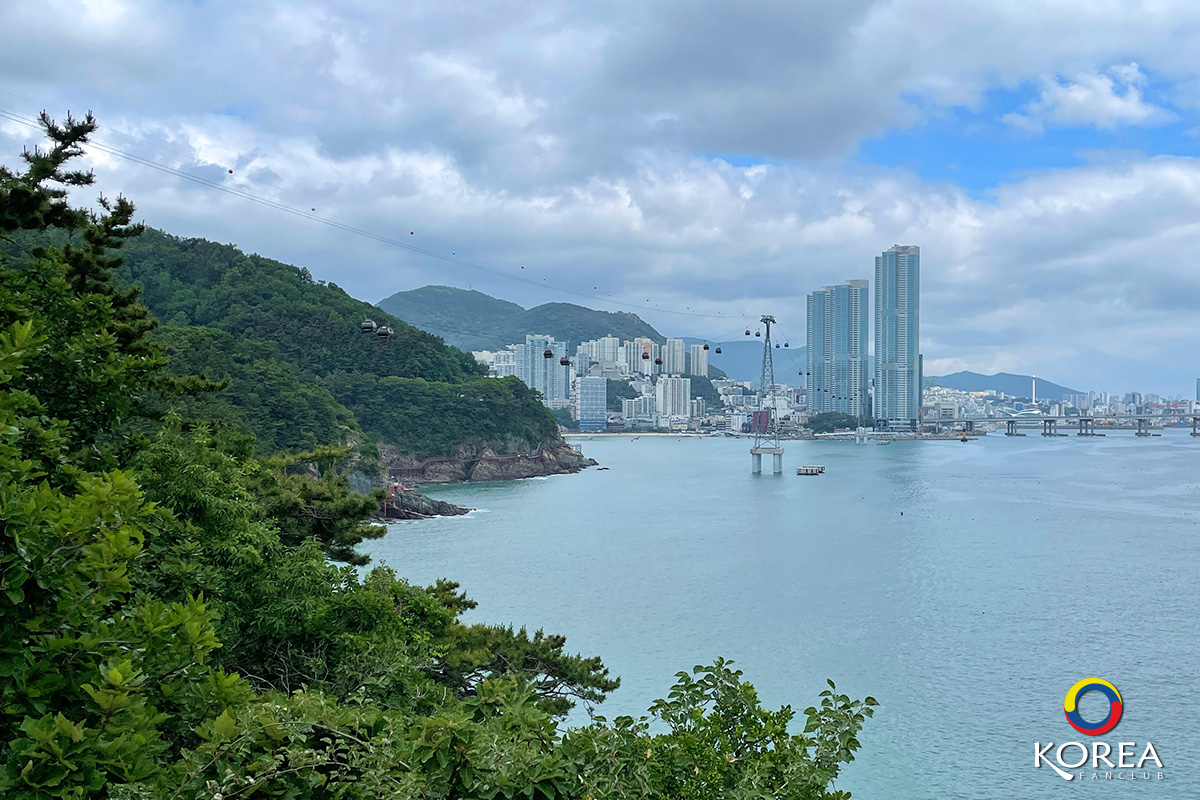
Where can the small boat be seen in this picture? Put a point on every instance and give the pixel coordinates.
(964, 438)
(601, 469)
(884, 441)
(810, 469)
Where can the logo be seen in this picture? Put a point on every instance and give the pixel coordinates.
(1095, 760)
(1071, 706)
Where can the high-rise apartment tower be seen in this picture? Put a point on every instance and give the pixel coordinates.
(837, 349)
(897, 336)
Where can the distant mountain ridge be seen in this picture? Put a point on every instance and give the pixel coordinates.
(1006, 382)
(472, 320)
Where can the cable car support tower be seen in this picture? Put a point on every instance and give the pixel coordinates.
(766, 432)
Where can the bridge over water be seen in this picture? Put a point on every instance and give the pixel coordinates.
(1085, 424)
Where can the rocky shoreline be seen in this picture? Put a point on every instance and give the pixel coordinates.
(405, 475)
(407, 504)
(552, 458)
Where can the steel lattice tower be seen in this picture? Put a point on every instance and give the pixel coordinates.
(766, 431)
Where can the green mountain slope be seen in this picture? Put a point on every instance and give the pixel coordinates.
(300, 338)
(266, 396)
(476, 321)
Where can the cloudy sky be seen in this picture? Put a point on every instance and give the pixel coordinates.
(684, 158)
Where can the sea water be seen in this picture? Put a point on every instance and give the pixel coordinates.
(966, 586)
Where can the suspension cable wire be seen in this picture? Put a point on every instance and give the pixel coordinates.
(383, 239)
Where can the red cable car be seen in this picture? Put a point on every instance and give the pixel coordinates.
(548, 353)
(566, 362)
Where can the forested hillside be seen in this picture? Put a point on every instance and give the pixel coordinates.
(303, 373)
(476, 321)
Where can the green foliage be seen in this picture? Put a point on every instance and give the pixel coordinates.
(616, 391)
(171, 625)
(312, 324)
(721, 742)
(475, 321)
(265, 396)
(564, 419)
(703, 388)
(437, 419)
(831, 421)
(307, 498)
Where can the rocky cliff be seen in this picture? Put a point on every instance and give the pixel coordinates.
(552, 458)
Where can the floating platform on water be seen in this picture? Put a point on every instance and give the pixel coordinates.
(810, 469)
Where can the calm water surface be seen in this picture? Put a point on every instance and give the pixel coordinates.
(966, 586)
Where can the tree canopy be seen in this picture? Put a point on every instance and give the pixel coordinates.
(830, 421)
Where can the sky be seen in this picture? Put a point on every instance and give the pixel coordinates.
(698, 162)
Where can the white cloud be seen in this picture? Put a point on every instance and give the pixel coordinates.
(577, 139)
(1103, 101)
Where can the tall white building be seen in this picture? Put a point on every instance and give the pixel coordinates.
(699, 358)
(634, 360)
(638, 407)
(674, 357)
(500, 363)
(607, 348)
(897, 336)
(545, 374)
(673, 396)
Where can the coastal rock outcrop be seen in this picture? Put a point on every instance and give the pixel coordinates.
(410, 504)
(552, 458)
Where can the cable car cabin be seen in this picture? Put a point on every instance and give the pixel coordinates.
(706, 345)
(758, 333)
(566, 362)
(658, 362)
(777, 345)
(384, 333)
(747, 331)
(645, 356)
(785, 344)
(718, 350)
(548, 353)
(369, 326)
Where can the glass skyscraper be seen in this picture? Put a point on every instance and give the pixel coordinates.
(593, 398)
(837, 349)
(897, 336)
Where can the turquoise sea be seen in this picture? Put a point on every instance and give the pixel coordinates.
(966, 586)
